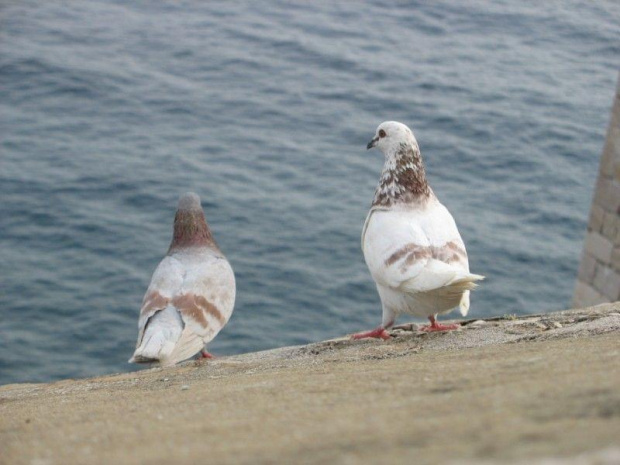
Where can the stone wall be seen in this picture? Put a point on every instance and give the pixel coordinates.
(599, 274)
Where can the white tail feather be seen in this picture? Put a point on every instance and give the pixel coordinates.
(468, 285)
(187, 346)
(161, 334)
(449, 296)
(464, 304)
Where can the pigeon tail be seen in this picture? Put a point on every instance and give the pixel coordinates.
(453, 294)
(187, 346)
(468, 284)
(162, 332)
(464, 304)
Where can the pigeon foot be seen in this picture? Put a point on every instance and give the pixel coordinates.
(434, 326)
(377, 333)
(205, 354)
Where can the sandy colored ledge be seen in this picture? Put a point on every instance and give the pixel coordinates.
(504, 390)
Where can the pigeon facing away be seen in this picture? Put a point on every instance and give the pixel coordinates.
(191, 295)
(410, 241)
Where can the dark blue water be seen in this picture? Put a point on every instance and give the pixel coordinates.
(109, 111)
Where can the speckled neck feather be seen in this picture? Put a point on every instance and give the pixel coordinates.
(403, 179)
(191, 230)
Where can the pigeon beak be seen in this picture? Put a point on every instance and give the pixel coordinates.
(372, 143)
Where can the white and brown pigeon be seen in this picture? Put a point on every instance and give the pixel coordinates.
(191, 295)
(410, 241)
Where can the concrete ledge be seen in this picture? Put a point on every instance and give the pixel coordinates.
(500, 390)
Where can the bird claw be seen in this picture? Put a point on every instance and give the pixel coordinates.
(439, 327)
(376, 333)
(205, 354)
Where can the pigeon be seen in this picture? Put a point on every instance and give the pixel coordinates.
(410, 241)
(191, 295)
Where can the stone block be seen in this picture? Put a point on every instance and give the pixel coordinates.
(607, 195)
(611, 222)
(600, 277)
(597, 216)
(607, 283)
(607, 163)
(599, 271)
(615, 258)
(611, 151)
(598, 246)
(586, 295)
(587, 268)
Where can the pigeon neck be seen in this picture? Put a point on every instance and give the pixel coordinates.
(403, 179)
(191, 230)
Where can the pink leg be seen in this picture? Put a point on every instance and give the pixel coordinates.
(434, 326)
(205, 354)
(379, 332)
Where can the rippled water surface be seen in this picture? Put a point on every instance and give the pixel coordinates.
(109, 111)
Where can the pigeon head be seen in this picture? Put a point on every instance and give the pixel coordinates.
(390, 136)
(403, 179)
(189, 201)
(190, 225)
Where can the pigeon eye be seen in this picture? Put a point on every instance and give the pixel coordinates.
(382, 133)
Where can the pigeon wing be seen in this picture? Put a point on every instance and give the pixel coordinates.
(205, 302)
(167, 279)
(415, 251)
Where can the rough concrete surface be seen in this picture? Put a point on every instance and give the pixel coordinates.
(536, 389)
